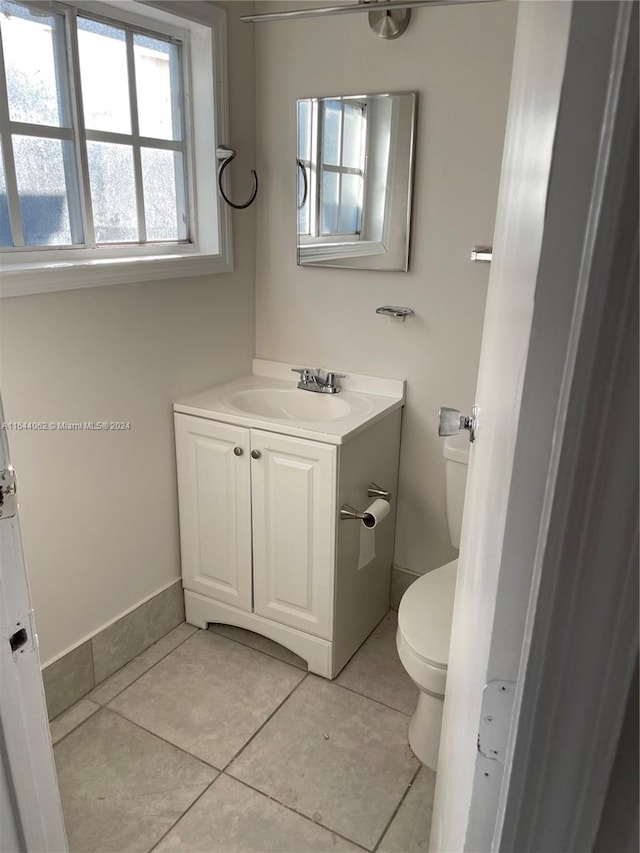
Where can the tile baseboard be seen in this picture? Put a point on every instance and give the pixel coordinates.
(79, 671)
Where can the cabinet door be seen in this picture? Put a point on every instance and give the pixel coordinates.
(214, 495)
(294, 518)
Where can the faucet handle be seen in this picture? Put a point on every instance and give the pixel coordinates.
(305, 373)
(331, 379)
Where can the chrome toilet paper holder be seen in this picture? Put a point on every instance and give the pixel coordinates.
(348, 512)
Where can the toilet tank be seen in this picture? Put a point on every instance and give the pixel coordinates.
(456, 455)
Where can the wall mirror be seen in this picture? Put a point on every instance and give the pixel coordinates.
(355, 169)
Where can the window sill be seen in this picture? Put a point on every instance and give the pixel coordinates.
(311, 252)
(26, 279)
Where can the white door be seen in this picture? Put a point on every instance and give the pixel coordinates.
(562, 108)
(539, 63)
(294, 520)
(29, 800)
(214, 491)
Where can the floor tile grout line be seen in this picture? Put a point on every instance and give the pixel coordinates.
(331, 680)
(141, 652)
(184, 813)
(260, 728)
(226, 769)
(296, 812)
(96, 686)
(77, 726)
(397, 809)
(220, 772)
(259, 651)
(137, 678)
(197, 757)
(123, 716)
(253, 648)
(77, 702)
(193, 633)
(365, 696)
(163, 739)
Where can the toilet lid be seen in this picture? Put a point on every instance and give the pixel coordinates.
(426, 611)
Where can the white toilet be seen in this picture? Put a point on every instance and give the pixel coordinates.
(424, 618)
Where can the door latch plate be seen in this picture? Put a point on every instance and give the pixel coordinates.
(21, 636)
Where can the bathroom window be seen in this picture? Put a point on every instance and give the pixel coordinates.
(96, 162)
(332, 142)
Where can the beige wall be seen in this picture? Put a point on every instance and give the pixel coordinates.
(459, 60)
(99, 510)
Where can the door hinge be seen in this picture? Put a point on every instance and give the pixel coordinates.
(495, 719)
(8, 493)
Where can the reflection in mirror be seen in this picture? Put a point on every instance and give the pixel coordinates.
(354, 167)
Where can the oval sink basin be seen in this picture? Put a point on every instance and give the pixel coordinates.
(292, 405)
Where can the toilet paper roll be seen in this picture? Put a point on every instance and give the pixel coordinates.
(375, 512)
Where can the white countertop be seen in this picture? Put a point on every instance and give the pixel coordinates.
(370, 400)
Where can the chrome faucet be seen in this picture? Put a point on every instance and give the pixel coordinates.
(313, 380)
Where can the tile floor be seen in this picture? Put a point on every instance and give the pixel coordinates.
(220, 741)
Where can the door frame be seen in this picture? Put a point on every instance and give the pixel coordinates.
(581, 635)
(22, 713)
(31, 793)
(553, 601)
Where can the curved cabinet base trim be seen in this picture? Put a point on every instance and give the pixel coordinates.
(318, 653)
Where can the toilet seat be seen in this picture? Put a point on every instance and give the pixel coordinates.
(424, 627)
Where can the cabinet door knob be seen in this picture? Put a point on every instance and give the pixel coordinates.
(255, 454)
(238, 451)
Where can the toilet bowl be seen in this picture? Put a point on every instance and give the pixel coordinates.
(424, 619)
(424, 630)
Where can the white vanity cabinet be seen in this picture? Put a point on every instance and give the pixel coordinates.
(262, 543)
(257, 521)
(214, 500)
(293, 496)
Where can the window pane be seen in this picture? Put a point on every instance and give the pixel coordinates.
(331, 133)
(351, 207)
(163, 181)
(304, 130)
(104, 78)
(5, 224)
(42, 188)
(28, 43)
(354, 123)
(303, 220)
(113, 192)
(329, 209)
(158, 87)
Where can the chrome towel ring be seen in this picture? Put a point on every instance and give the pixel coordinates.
(225, 156)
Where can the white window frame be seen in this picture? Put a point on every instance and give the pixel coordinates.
(316, 248)
(315, 169)
(202, 28)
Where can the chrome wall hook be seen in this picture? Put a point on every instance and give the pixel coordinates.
(225, 156)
